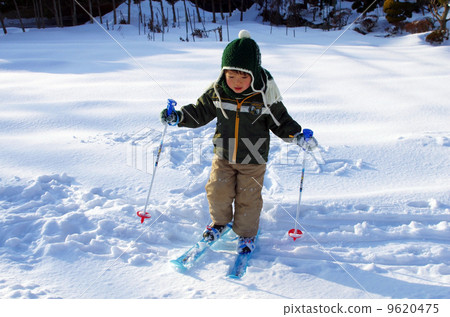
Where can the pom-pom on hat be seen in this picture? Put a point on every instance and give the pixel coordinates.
(243, 54)
(244, 34)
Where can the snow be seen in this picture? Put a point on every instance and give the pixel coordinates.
(79, 128)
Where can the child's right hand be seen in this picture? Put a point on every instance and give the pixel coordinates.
(171, 119)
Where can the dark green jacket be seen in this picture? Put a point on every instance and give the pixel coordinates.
(244, 137)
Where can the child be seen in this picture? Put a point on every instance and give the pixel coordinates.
(247, 104)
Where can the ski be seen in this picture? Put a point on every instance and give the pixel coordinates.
(188, 259)
(239, 268)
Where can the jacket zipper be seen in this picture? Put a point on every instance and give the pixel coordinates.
(236, 127)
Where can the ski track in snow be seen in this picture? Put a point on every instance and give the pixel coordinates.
(375, 216)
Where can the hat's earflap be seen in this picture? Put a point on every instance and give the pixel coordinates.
(270, 94)
(216, 83)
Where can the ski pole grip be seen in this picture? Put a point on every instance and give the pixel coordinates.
(171, 106)
(307, 134)
(171, 109)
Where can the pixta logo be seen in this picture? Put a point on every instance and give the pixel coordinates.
(143, 147)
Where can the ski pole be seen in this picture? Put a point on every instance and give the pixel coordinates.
(296, 233)
(170, 108)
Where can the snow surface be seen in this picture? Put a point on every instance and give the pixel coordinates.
(79, 127)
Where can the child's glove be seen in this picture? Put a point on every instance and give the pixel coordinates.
(172, 119)
(307, 145)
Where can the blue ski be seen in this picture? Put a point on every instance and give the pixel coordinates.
(240, 266)
(191, 256)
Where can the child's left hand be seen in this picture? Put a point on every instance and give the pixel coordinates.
(307, 145)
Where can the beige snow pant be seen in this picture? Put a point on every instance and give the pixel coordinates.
(241, 183)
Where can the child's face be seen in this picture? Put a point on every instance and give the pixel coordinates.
(238, 81)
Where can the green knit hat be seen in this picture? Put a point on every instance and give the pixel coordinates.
(243, 54)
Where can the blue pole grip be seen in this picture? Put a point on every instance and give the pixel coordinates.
(171, 109)
(171, 106)
(307, 134)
